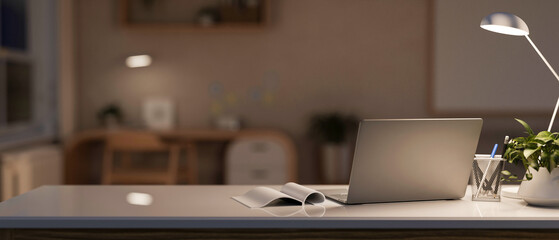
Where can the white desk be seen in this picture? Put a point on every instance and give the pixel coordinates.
(210, 207)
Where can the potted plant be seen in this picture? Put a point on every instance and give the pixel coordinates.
(539, 154)
(331, 131)
(110, 116)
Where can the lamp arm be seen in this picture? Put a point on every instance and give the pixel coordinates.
(543, 58)
(553, 117)
(554, 74)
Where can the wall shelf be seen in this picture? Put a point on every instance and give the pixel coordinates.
(195, 15)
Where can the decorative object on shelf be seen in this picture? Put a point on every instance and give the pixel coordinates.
(110, 116)
(535, 151)
(228, 122)
(195, 15)
(331, 130)
(208, 17)
(159, 113)
(539, 154)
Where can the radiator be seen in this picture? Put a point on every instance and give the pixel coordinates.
(29, 168)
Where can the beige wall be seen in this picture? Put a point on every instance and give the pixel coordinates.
(363, 57)
(66, 68)
(360, 56)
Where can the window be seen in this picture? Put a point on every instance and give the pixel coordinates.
(28, 64)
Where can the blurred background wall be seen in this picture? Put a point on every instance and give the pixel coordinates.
(315, 56)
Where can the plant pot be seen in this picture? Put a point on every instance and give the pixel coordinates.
(335, 163)
(111, 122)
(542, 190)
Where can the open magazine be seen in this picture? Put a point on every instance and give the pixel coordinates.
(290, 192)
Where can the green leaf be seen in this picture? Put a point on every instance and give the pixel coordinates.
(553, 160)
(555, 156)
(532, 145)
(520, 140)
(533, 163)
(544, 136)
(547, 161)
(515, 157)
(540, 142)
(528, 152)
(529, 176)
(507, 153)
(506, 172)
(526, 126)
(545, 156)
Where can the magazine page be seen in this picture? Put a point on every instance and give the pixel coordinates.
(263, 196)
(290, 193)
(302, 193)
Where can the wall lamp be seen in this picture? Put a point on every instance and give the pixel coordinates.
(138, 61)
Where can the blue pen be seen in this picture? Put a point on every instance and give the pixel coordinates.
(494, 150)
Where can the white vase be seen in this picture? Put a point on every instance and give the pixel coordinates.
(542, 190)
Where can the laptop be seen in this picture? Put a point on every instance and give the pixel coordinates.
(410, 160)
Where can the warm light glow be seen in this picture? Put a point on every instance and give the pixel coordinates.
(505, 30)
(142, 199)
(138, 61)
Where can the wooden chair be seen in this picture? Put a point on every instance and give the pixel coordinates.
(124, 143)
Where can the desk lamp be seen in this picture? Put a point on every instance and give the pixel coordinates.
(510, 24)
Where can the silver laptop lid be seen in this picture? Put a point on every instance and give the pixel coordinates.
(412, 159)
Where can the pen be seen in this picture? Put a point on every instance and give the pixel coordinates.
(494, 150)
(502, 156)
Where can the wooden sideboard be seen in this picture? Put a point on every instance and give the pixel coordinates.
(76, 161)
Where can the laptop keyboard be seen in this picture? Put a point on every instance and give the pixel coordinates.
(339, 195)
(342, 197)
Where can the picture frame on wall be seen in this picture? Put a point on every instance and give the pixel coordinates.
(159, 113)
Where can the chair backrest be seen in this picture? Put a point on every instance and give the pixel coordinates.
(261, 158)
(123, 140)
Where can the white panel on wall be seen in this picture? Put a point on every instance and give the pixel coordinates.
(479, 71)
(28, 168)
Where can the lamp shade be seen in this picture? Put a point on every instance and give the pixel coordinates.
(505, 23)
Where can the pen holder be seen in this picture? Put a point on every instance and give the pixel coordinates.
(485, 178)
